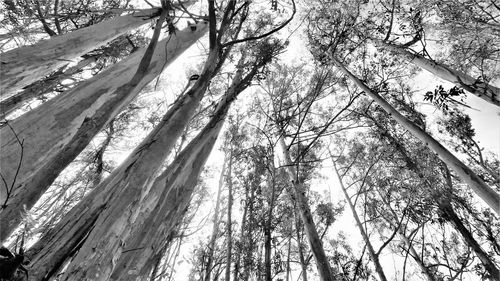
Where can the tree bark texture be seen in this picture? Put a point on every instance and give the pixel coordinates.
(171, 196)
(41, 87)
(298, 193)
(474, 86)
(490, 196)
(57, 131)
(25, 65)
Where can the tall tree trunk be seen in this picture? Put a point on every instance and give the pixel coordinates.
(267, 253)
(215, 229)
(474, 86)
(298, 193)
(490, 196)
(41, 87)
(450, 215)
(288, 270)
(371, 251)
(174, 192)
(57, 245)
(248, 241)
(25, 65)
(229, 217)
(56, 132)
(303, 263)
(244, 219)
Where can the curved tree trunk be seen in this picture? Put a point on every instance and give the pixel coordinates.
(26, 65)
(324, 270)
(490, 196)
(170, 196)
(56, 132)
(474, 86)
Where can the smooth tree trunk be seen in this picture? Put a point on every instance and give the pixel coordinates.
(490, 196)
(450, 215)
(25, 65)
(297, 191)
(472, 85)
(57, 131)
(268, 230)
(174, 193)
(302, 259)
(41, 87)
(229, 250)
(215, 221)
(373, 255)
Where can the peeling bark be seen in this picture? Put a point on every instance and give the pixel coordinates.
(41, 87)
(56, 132)
(170, 196)
(25, 65)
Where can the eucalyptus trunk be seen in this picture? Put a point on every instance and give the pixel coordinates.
(26, 65)
(169, 199)
(41, 87)
(472, 85)
(117, 193)
(56, 132)
(490, 196)
(298, 193)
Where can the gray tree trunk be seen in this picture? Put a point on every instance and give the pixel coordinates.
(490, 196)
(298, 193)
(215, 221)
(25, 65)
(57, 131)
(41, 87)
(170, 196)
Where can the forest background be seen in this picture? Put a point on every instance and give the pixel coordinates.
(360, 140)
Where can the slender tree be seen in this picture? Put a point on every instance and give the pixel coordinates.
(373, 255)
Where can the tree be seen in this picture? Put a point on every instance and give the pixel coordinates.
(56, 132)
(25, 65)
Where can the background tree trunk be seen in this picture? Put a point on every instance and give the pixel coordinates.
(371, 251)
